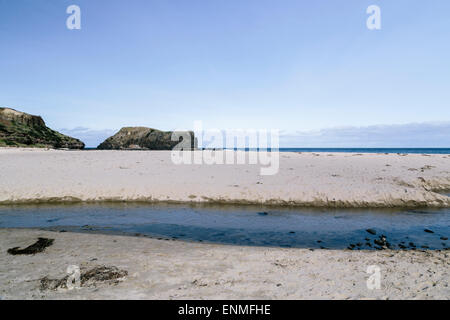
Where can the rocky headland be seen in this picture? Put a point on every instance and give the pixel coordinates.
(20, 129)
(142, 138)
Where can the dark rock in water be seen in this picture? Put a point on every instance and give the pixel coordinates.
(444, 238)
(371, 231)
(36, 247)
(142, 138)
(428, 231)
(263, 213)
(19, 129)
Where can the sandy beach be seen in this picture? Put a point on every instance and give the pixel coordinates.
(169, 269)
(304, 179)
(159, 269)
(224, 150)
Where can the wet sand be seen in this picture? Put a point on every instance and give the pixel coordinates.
(159, 269)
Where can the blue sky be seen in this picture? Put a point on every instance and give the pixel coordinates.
(299, 66)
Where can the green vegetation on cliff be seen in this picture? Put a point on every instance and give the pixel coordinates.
(142, 138)
(19, 129)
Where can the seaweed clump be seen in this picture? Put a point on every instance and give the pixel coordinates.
(36, 247)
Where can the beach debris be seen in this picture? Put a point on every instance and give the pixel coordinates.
(36, 247)
(371, 231)
(428, 231)
(110, 275)
(199, 283)
(427, 167)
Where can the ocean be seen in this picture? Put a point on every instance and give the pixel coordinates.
(360, 150)
(372, 150)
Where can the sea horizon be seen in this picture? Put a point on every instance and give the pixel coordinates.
(340, 150)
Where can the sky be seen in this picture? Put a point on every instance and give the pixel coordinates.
(311, 69)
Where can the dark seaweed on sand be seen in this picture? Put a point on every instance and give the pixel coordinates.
(99, 274)
(36, 247)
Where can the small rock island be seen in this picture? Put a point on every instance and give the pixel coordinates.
(143, 138)
(20, 129)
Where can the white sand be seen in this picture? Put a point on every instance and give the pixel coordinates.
(159, 269)
(325, 179)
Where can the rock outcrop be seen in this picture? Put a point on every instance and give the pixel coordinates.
(142, 138)
(20, 129)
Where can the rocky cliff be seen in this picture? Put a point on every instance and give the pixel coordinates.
(135, 138)
(19, 129)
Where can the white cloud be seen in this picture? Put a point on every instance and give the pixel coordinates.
(92, 138)
(414, 135)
